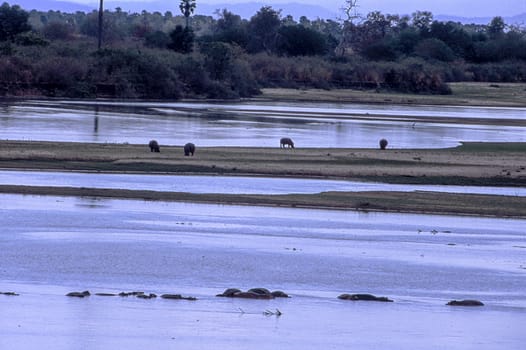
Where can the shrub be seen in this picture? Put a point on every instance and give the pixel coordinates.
(434, 49)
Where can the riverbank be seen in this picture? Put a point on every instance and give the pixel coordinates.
(481, 164)
(462, 94)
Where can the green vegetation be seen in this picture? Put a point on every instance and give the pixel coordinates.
(166, 56)
(517, 147)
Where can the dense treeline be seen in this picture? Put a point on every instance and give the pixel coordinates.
(154, 55)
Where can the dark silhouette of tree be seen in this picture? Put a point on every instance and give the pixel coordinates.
(187, 8)
(496, 27)
(230, 28)
(422, 20)
(300, 41)
(263, 28)
(13, 21)
(182, 39)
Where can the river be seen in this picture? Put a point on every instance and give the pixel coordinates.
(228, 184)
(50, 246)
(257, 124)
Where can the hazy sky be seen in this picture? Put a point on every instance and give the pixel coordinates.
(465, 8)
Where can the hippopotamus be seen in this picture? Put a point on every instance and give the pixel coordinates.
(254, 293)
(466, 302)
(83, 294)
(177, 297)
(154, 146)
(383, 143)
(366, 297)
(189, 149)
(286, 142)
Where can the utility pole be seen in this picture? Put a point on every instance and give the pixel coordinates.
(100, 23)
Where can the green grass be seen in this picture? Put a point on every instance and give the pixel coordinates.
(519, 147)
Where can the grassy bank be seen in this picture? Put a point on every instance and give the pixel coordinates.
(408, 202)
(495, 164)
(462, 94)
(484, 164)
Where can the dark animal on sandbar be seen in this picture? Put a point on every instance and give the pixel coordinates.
(154, 146)
(286, 142)
(189, 149)
(383, 143)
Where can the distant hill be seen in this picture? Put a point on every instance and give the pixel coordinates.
(518, 19)
(46, 5)
(245, 10)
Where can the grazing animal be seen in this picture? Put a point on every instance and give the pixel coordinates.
(383, 143)
(189, 149)
(154, 146)
(286, 142)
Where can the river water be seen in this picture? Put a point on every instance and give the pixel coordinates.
(50, 246)
(228, 184)
(256, 124)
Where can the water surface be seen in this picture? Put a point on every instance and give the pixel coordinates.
(228, 184)
(254, 124)
(52, 245)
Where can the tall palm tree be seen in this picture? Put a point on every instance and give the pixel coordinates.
(187, 7)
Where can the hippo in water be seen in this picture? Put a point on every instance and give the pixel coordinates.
(154, 146)
(467, 302)
(254, 293)
(366, 297)
(189, 149)
(286, 142)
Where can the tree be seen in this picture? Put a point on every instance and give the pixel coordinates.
(263, 28)
(182, 39)
(422, 20)
(351, 10)
(296, 40)
(13, 21)
(348, 31)
(187, 8)
(496, 27)
(230, 28)
(57, 31)
(434, 49)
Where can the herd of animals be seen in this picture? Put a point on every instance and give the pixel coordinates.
(285, 142)
(253, 293)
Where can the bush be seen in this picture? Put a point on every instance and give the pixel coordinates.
(13, 21)
(434, 49)
(58, 31)
(296, 40)
(157, 39)
(380, 51)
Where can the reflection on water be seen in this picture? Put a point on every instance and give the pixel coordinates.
(245, 124)
(228, 184)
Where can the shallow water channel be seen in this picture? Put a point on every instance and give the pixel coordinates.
(53, 245)
(228, 184)
(256, 124)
